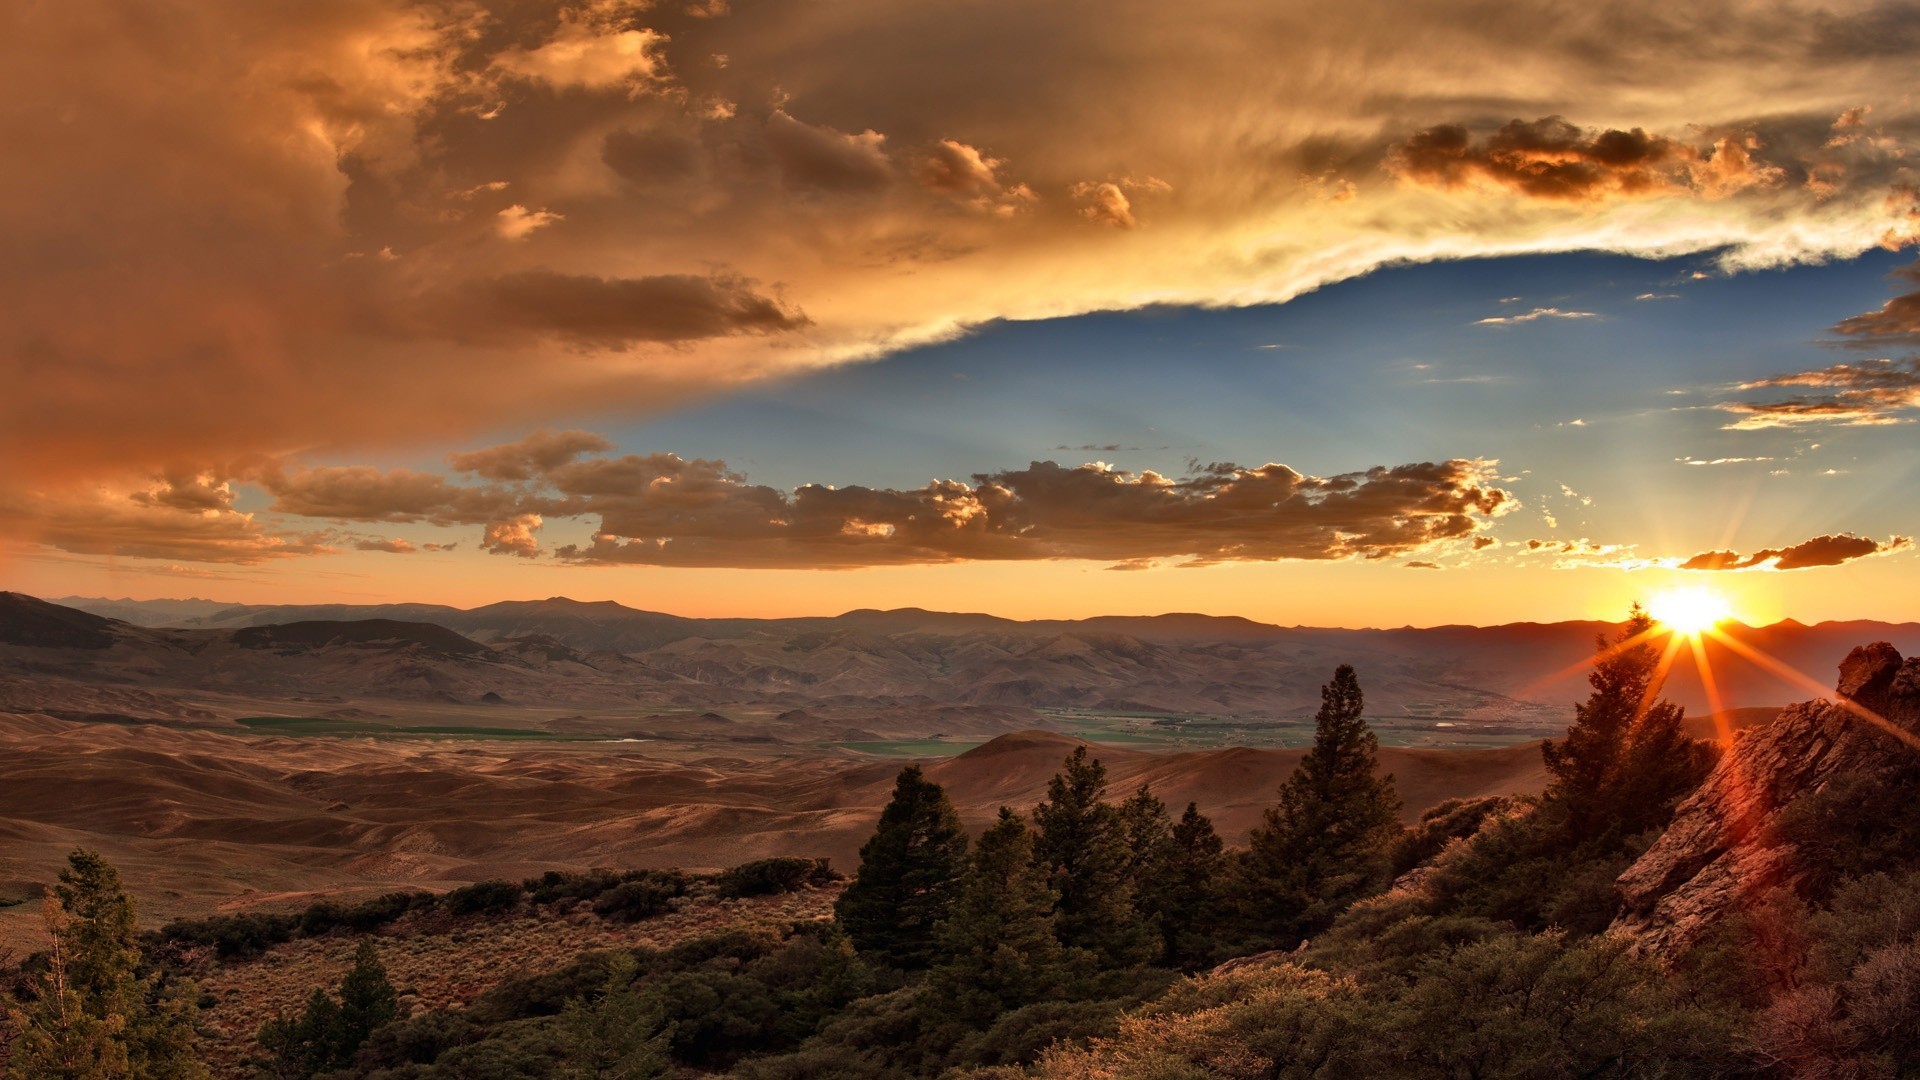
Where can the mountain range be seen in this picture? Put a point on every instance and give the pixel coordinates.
(1516, 674)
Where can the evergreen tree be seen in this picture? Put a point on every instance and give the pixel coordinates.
(909, 871)
(1148, 832)
(618, 1036)
(1184, 896)
(1626, 760)
(367, 1002)
(95, 1013)
(1324, 845)
(998, 939)
(1081, 846)
(329, 1033)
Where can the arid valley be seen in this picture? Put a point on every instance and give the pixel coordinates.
(260, 758)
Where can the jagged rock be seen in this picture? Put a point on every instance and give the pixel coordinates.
(1868, 670)
(1723, 849)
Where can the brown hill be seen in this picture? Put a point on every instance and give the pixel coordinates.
(198, 819)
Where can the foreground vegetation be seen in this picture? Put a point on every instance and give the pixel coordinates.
(1101, 936)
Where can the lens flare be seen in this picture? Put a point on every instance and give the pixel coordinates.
(1690, 611)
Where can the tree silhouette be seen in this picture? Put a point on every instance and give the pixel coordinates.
(96, 1013)
(1626, 759)
(1323, 846)
(1081, 845)
(909, 871)
(1183, 894)
(998, 941)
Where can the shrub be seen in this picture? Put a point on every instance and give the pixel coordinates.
(483, 898)
(768, 877)
(230, 936)
(641, 898)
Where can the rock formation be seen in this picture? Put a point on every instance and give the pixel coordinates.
(1725, 848)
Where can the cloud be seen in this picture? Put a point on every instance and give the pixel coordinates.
(584, 56)
(651, 156)
(828, 160)
(661, 509)
(1222, 513)
(1897, 322)
(963, 172)
(366, 494)
(392, 546)
(1820, 551)
(1535, 315)
(1421, 565)
(1861, 394)
(517, 535)
(530, 457)
(517, 222)
(245, 230)
(1105, 203)
(618, 312)
(1551, 159)
(138, 525)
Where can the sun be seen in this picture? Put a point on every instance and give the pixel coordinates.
(1690, 611)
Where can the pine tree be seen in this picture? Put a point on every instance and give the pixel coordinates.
(1148, 832)
(330, 1032)
(998, 939)
(620, 1035)
(1323, 846)
(367, 1003)
(1184, 895)
(1626, 759)
(95, 1012)
(1081, 845)
(909, 872)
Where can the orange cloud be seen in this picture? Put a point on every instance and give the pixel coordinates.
(1820, 551)
(241, 231)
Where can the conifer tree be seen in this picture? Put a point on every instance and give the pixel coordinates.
(1184, 895)
(1081, 845)
(998, 939)
(95, 1013)
(1323, 846)
(367, 1002)
(620, 1035)
(1148, 831)
(330, 1032)
(1626, 759)
(909, 872)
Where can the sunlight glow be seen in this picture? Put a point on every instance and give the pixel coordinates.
(1690, 611)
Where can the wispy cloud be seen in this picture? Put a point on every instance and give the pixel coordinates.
(1535, 315)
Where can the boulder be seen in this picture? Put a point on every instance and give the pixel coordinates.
(1723, 849)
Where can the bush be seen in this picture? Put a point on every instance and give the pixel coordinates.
(768, 877)
(483, 898)
(230, 936)
(641, 898)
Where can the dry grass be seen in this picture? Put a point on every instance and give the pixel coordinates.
(439, 961)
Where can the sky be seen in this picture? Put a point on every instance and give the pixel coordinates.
(1389, 314)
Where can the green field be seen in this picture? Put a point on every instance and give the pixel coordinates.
(912, 747)
(308, 726)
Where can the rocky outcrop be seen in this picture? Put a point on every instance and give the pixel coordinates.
(1724, 848)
